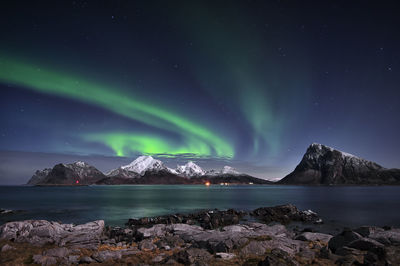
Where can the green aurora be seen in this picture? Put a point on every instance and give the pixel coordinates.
(196, 139)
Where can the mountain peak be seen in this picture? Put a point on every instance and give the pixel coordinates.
(144, 163)
(325, 165)
(229, 170)
(80, 163)
(190, 169)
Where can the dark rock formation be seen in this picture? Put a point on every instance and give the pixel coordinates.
(284, 214)
(39, 176)
(325, 165)
(78, 173)
(207, 219)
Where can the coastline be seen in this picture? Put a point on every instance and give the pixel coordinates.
(209, 237)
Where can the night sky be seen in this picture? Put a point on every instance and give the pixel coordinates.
(248, 84)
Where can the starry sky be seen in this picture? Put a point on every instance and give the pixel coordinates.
(248, 84)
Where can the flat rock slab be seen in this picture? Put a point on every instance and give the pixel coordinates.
(40, 232)
(309, 236)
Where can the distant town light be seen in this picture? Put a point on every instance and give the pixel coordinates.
(207, 183)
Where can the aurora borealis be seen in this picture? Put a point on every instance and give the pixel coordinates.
(249, 84)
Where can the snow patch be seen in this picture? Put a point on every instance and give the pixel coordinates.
(143, 164)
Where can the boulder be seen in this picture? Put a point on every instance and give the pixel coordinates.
(225, 256)
(7, 247)
(57, 252)
(102, 256)
(343, 239)
(86, 260)
(192, 256)
(44, 260)
(309, 236)
(384, 236)
(157, 230)
(365, 244)
(147, 245)
(40, 232)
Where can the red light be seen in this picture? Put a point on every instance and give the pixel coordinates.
(77, 182)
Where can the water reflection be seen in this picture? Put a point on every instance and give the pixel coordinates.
(116, 204)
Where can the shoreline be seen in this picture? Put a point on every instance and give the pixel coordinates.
(208, 237)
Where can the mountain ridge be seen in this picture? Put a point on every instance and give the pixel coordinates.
(323, 165)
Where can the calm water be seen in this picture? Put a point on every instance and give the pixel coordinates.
(351, 206)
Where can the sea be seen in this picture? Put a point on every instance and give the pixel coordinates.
(340, 206)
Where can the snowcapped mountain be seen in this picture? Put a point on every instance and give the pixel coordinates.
(229, 170)
(143, 164)
(226, 170)
(190, 169)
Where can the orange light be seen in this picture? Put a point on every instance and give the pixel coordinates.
(207, 183)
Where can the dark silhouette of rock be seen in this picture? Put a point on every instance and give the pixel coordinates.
(343, 239)
(39, 176)
(207, 219)
(284, 214)
(327, 166)
(78, 173)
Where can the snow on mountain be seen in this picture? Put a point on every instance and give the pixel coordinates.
(317, 150)
(145, 163)
(226, 170)
(229, 170)
(190, 169)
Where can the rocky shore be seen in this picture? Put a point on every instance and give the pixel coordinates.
(211, 237)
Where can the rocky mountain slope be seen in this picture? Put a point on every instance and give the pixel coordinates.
(327, 166)
(79, 173)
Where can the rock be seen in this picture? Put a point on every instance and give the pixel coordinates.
(86, 259)
(366, 244)
(5, 211)
(386, 237)
(147, 245)
(225, 256)
(57, 252)
(284, 214)
(345, 251)
(102, 256)
(158, 258)
(284, 244)
(44, 260)
(73, 259)
(308, 236)
(40, 232)
(277, 258)
(192, 255)
(207, 219)
(343, 239)
(119, 234)
(157, 230)
(7, 247)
